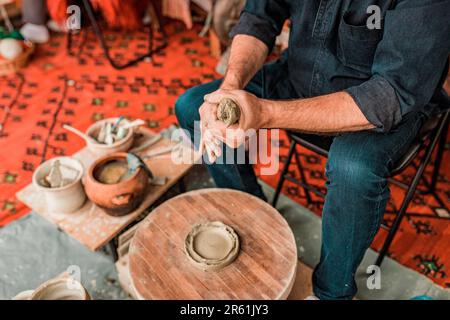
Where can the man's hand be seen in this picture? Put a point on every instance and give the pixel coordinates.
(247, 56)
(253, 116)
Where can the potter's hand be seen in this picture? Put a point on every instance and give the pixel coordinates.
(253, 116)
(209, 141)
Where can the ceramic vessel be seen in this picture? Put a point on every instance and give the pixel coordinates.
(24, 295)
(100, 149)
(66, 199)
(116, 199)
(60, 289)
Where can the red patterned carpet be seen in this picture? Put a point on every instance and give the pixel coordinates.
(57, 89)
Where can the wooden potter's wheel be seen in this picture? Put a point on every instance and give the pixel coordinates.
(264, 269)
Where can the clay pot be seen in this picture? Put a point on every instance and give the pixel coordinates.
(24, 295)
(60, 289)
(116, 199)
(100, 149)
(66, 199)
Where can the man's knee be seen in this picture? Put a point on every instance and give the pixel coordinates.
(186, 109)
(361, 170)
(187, 105)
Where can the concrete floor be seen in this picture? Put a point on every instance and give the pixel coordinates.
(33, 250)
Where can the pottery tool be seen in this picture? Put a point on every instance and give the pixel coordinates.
(134, 163)
(123, 129)
(79, 133)
(109, 132)
(116, 171)
(133, 124)
(109, 138)
(162, 151)
(116, 125)
(228, 111)
(147, 143)
(54, 178)
(59, 176)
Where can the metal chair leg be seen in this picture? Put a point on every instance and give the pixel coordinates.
(439, 155)
(283, 173)
(99, 33)
(410, 193)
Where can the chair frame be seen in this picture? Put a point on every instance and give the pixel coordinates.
(437, 137)
(106, 50)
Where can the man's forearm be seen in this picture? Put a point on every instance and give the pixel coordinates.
(247, 56)
(331, 113)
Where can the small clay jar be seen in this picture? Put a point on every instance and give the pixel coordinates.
(120, 198)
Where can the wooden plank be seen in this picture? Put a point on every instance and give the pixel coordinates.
(91, 225)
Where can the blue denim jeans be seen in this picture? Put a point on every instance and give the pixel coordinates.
(357, 190)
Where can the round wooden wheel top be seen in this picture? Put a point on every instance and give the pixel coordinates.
(264, 269)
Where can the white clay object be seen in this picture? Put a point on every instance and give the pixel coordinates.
(109, 139)
(54, 178)
(102, 134)
(10, 49)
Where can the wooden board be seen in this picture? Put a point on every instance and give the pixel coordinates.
(265, 268)
(91, 225)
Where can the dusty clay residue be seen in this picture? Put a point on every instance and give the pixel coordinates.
(228, 111)
(212, 246)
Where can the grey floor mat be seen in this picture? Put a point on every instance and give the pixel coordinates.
(33, 250)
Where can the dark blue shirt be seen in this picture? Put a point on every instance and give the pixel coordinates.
(389, 69)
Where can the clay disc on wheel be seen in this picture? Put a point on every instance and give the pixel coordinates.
(212, 246)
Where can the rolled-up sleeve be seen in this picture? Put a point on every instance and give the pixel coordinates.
(262, 19)
(408, 64)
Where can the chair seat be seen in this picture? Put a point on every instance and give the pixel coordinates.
(322, 144)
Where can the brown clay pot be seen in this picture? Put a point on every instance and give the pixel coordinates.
(116, 199)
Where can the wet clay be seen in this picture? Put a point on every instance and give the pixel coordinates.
(112, 172)
(228, 111)
(212, 246)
